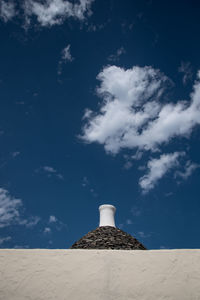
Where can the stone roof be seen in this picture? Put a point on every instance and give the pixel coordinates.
(108, 237)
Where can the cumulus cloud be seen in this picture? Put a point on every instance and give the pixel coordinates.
(47, 12)
(51, 12)
(9, 208)
(132, 114)
(186, 69)
(157, 168)
(135, 114)
(7, 10)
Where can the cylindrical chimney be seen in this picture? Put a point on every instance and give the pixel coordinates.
(107, 215)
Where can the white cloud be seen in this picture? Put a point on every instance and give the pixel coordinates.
(66, 55)
(129, 158)
(9, 208)
(97, 27)
(163, 247)
(50, 171)
(137, 155)
(21, 247)
(52, 219)
(129, 222)
(29, 222)
(186, 69)
(86, 184)
(54, 12)
(60, 176)
(4, 239)
(47, 12)
(121, 225)
(7, 10)
(14, 154)
(132, 113)
(157, 168)
(47, 230)
(55, 223)
(188, 170)
(128, 164)
(85, 181)
(119, 52)
(143, 235)
(136, 212)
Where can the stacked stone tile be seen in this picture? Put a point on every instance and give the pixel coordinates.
(108, 237)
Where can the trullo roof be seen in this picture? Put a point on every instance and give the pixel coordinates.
(108, 237)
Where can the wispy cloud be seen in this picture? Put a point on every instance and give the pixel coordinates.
(143, 235)
(55, 223)
(50, 172)
(130, 158)
(136, 212)
(7, 10)
(129, 222)
(65, 57)
(12, 211)
(85, 181)
(163, 247)
(47, 230)
(188, 170)
(52, 219)
(186, 69)
(30, 222)
(116, 56)
(128, 164)
(5, 239)
(66, 54)
(15, 154)
(96, 27)
(86, 184)
(157, 168)
(9, 208)
(21, 247)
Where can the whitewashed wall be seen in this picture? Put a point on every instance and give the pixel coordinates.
(98, 274)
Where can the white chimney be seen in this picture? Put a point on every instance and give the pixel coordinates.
(107, 215)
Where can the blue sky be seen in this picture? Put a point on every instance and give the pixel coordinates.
(99, 103)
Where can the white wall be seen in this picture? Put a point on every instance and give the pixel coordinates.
(99, 274)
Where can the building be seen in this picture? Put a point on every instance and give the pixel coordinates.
(100, 274)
